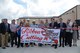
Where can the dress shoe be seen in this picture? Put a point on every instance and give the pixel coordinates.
(3, 47)
(63, 46)
(17, 46)
(7, 46)
(59, 45)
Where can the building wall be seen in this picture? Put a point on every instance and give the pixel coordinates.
(37, 20)
(78, 12)
(72, 14)
(31, 20)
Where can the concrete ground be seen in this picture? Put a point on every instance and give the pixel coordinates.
(44, 49)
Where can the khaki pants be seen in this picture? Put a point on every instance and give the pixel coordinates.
(4, 39)
(0, 39)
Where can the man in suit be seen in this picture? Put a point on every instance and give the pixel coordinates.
(5, 29)
(0, 39)
(62, 25)
(53, 24)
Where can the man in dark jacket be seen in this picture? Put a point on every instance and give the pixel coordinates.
(62, 26)
(0, 35)
(53, 24)
(4, 29)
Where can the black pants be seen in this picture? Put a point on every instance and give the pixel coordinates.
(27, 44)
(19, 42)
(68, 39)
(62, 39)
(31, 43)
(13, 38)
(40, 44)
(77, 34)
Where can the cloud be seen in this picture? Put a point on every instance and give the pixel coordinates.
(18, 8)
(12, 10)
(78, 0)
(20, 2)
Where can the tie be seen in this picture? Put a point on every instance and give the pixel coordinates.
(6, 27)
(52, 25)
(61, 25)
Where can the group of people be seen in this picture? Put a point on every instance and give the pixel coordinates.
(10, 33)
(68, 32)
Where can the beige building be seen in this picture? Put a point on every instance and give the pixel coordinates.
(73, 14)
(37, 19)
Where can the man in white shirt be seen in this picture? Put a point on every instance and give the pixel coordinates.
(68, 36)
(13, 28)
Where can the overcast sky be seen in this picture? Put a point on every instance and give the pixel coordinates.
(18, 8)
